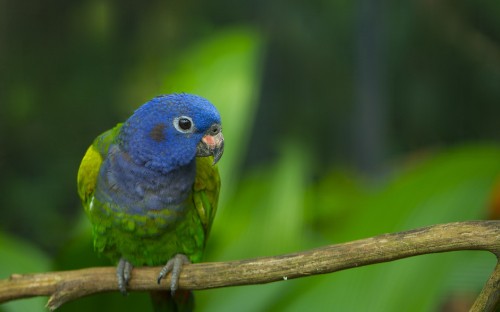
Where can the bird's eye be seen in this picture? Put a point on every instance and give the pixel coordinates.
(184, 124)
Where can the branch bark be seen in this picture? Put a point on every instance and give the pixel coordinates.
(65, 286)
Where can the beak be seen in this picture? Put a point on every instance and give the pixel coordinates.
(211, 145)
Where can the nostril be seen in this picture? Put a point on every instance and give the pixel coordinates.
(215, 129)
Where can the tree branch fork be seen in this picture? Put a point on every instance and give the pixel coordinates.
(65, 286)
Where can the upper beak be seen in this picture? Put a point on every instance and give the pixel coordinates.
(211, 145)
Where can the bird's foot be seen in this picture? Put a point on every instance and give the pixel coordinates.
(173, 265)
(123, 273)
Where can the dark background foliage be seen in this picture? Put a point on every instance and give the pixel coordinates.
(343, 119)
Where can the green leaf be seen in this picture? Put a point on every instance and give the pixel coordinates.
(450, 186)
(18, 256)
(224, 68)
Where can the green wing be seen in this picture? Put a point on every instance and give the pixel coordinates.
(206, 191)
(91, 163)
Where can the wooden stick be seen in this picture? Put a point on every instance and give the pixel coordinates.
(472, 235)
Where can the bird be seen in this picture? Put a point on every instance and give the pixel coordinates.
(150, 189)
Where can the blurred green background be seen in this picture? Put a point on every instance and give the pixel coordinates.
(343, 120)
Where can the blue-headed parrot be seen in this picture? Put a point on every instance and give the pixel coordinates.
(150, 188)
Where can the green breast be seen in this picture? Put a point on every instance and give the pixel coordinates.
(146, 239)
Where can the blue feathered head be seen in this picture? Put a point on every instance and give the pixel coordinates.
(171, 130)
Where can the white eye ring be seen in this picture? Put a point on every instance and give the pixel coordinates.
(184, 124)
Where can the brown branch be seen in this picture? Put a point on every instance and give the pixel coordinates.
(489, 299)
(474, 235)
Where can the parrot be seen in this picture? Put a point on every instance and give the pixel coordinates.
(150, 188)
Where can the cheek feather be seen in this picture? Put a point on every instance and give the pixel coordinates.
(158, 132)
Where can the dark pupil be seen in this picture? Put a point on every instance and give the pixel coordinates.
(184, 124)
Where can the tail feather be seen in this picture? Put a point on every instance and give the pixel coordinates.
(163, 301)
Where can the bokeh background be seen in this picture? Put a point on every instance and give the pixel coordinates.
(343, 120)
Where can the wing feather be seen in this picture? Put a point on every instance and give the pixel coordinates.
(91, 164)
(206, 191)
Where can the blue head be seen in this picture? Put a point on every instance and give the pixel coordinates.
(171, 130)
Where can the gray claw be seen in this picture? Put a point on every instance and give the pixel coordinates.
(123, 273)
(173, 265)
